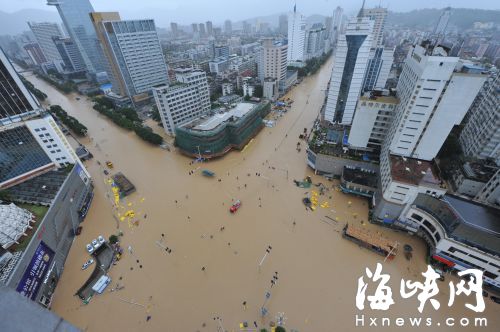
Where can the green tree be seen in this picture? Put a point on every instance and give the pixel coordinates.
(113, 239)
(258, 91)
(280, 329)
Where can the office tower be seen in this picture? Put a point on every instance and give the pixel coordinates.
(75, 15)
(201, 27)
(210, 29)
(228, 27)
(336, 31)
(378, 69)
(182, 102)
(315, 42)
(175, 29)
(16, 102)
(44, 33)
(296, 36)
(372, 119)
(273, 60)
(30, 141)
(35, 53)
(283, 25)
(378, 15)
(480, 137)
(351, 61)
(134, 53)
(380, 58)
(194, 27)
(70, 55)
(433, 98)
(442, 24)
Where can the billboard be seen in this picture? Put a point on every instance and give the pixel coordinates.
(35, 272)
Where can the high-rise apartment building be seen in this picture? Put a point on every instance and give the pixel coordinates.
(174, 28)
(433, 98)
(380, 58)
(378, 15)
(351, 61)
(44, 33)
(480, 137)
(35, 53)
(134, 53)
(442, 24)
(296, 36)
(283, 25)
(228, 27)
(210, 28)
(75, 15)
(337, 23)
(273, 60)
(184, 101)
(315, 42)
(378, 69)
(201, 27)
(30, 141)
(194, 27)
(73, 61)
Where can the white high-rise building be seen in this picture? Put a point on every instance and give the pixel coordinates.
(134, 53)
(480, 137)
(351, 61)
(315, 42)
(378, 15)
(338, 16)
(44, 33)
(296, 36)
(273, 61)
(381, 58)
(184, 101)
(433, 98)
(442, 24)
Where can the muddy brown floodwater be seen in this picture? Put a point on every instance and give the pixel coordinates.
(317, 269)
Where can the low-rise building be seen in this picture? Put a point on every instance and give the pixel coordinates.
(227, 89)
(461, 234)
(472, 177)
(219, 65)
(214, 136)
(270, 88)
(402, 179)
(490, 193)
(358, 181)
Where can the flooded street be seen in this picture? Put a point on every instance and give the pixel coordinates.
(213, 268)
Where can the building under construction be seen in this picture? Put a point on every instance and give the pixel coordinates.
(214, 136)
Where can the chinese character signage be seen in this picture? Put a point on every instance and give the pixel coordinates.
(35, 272)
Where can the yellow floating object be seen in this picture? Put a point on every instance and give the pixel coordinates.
(129, 204)
(122, 218)
(142, 199)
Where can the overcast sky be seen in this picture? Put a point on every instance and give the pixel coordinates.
(187, 11)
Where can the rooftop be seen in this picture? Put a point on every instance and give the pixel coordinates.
(380, 99)
(219, 118)
(464, 220)
(413, 171)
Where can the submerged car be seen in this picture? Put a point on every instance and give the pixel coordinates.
(100, 239)
(87, 264)
(235, 206)
(95, 244)
(89, 248)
